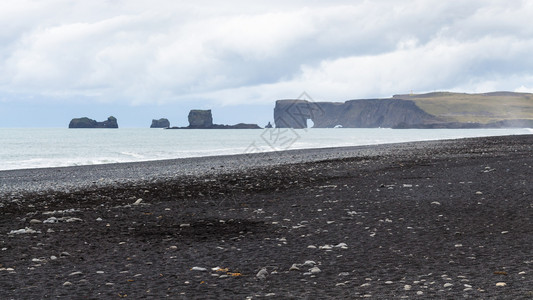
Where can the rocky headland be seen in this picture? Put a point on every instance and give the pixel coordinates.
(203, 119)
(85, 122)
(432, 110)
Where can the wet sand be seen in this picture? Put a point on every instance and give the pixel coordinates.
(442, 219)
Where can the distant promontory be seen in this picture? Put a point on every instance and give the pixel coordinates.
(431, 110)
(85, 122)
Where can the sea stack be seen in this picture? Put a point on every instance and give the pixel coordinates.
(85, 122)
(200, 119)
(161, 123)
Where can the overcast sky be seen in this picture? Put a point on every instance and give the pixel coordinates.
(139, 60)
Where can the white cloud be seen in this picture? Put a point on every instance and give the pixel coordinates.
(243, 52)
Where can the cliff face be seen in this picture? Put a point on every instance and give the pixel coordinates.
(368, 113)
(85, 122)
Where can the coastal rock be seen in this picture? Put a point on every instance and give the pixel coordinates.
(203, 119)
(85, 122)
(161, 123)
(200, 118)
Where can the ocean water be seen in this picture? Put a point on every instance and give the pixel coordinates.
(58, 147)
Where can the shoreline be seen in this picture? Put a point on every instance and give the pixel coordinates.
(102, 175)
(437, 219)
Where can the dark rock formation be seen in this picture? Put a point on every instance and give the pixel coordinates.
(161, 123)
(85, 122)
(368, 113)
(202, 119)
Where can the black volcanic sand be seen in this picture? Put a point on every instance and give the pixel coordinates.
(448, 219)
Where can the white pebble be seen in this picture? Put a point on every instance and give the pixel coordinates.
(315, 270)
(448, 284)
(75, 273)
(407, 287)
(501, 284)
(198, 269)
(67, 283)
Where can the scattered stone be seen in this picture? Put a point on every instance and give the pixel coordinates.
(100, 272)
(138, 202)
(388, 282)
(173, 247)
(294, 267)
(479, 193)
(262, 274)
(198, 269)
(35, 221)
(51, 220)
(62, 254)
(407, 287)
(435, 203)
(315, 270)
(344, 274)
(420, 293)
(70, 220)
(75, 273)
(309, 263)
(311, 247)
(67, 283)
(23, 231)
(501, 284)
(342, 246)
(53, 257)
(99, 219)
(448, 284)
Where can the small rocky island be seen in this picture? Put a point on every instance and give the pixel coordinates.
(161, 123)
(203, 119)
(85, 122)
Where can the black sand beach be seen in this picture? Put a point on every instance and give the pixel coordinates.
(441, 219)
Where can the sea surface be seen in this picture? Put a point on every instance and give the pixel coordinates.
(58, 147)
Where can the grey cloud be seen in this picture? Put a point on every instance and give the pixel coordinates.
(127, 51)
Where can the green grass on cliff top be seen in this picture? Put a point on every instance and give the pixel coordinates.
(482, 108)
